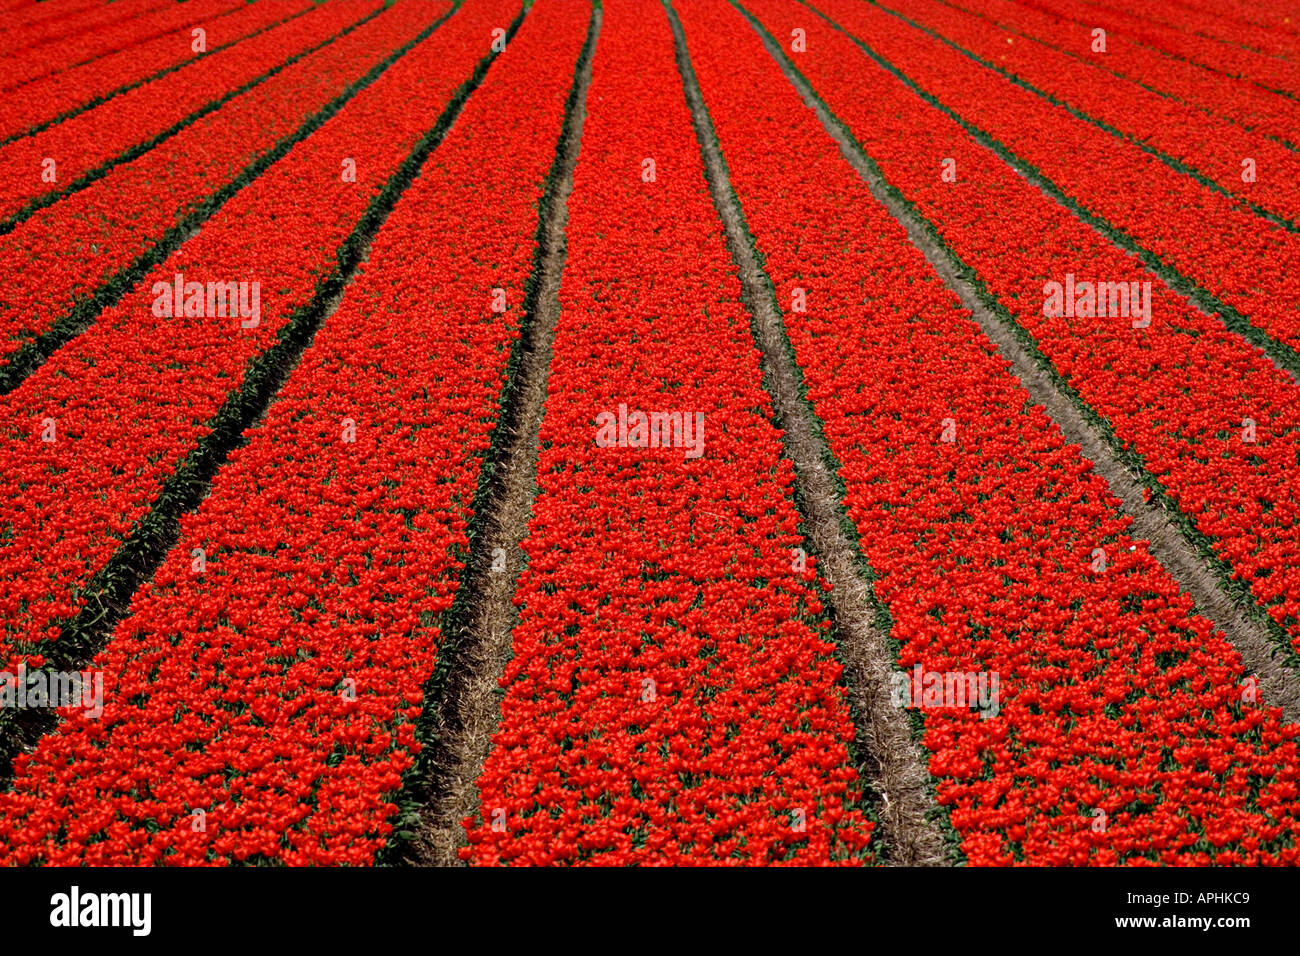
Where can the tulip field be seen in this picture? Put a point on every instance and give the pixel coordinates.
(649, 432)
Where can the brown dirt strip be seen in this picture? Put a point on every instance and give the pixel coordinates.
(466, 696)
(894, 763)
(1193, 571)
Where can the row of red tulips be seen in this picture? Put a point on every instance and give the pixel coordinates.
(176, 20)
(54, 159)
(1248, 264)
(1230, 59)
(276, 689)
(1178, 393)
(25, 19)
(672, 696)
(1275, 32)
(41, 101)
(1279, 24)
(15, 8)
(985, 546)
(1245, 104)
(86, 239)
(1212, 146)
(68, 22)
(132, 397)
